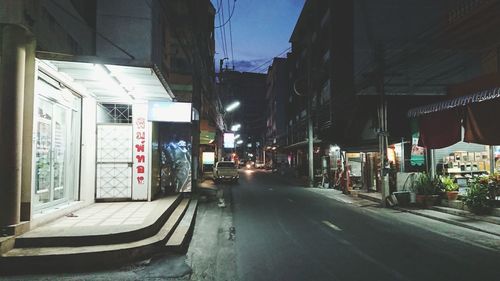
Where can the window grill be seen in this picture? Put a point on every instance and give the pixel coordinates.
(116, 113)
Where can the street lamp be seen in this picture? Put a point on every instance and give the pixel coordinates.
(232, 106)
(235, 127)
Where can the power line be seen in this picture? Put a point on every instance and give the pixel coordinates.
(218, 7)
(231, 34)
(270, 60)
(221, 31)
(224, 29)
(230, 16)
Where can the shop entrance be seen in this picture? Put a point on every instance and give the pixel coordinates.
(114, 161)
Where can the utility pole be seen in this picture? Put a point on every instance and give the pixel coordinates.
(310, 130)
(382, 114)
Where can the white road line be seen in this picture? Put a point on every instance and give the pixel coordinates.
(331, 225)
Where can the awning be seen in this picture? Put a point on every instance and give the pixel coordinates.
(110, 80)
(440, 124)
(455, 102)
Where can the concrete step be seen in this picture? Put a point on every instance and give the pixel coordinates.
(183, 232)
(88, 236)
(467, 214)
(78, 258)
(466, 222)
(460, 205)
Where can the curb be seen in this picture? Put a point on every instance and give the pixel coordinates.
(463, 213)
(366, 197)
(446, 221)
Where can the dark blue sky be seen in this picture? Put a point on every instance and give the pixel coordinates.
(260, 29)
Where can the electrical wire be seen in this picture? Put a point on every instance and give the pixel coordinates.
(231, 35)
(224, 31)
(266, 63)
(221, 31)
(230, 16)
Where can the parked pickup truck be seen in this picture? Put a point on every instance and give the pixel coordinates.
(226, 170)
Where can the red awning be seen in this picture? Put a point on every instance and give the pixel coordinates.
(440, 123)
(481, 122)
(440, 129)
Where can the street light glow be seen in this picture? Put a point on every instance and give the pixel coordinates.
(236, 136)
(239, 142)
(235, 127)
(232, 106)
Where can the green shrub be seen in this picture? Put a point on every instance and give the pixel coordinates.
(477, 197)
(449, 184)
(425, 185)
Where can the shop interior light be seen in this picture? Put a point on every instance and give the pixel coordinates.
(232, 106)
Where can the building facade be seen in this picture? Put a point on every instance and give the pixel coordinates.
(91, 113)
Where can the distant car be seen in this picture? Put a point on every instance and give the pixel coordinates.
(226, 171)
(259, 165)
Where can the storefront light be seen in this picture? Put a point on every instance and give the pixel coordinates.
(239, 142)
(236, 136)
(104, 75)
(334, 148)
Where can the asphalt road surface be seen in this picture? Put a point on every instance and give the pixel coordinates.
(271, 230)
(287, 233)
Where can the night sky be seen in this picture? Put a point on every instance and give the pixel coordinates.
(260, 30)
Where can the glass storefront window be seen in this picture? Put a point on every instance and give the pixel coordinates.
(57, 131)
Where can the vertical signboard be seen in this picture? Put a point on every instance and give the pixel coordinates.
(141, 139)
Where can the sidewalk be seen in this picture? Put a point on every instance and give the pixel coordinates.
(465, 219)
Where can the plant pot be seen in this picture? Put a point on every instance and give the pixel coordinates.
(420, 200)
(452, 195)
(431, 200)
(413, 197)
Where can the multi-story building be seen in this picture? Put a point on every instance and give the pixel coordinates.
(278, 91)
(86, 106)
(361, 65)
(250, 90)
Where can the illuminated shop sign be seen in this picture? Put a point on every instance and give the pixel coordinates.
(228, 140)
(169, 111)
(208, 158)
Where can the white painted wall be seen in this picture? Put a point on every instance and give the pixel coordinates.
(88, 150)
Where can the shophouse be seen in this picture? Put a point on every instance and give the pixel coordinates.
(276, 100)
(91, 114)
(364, 65)
(459, 132)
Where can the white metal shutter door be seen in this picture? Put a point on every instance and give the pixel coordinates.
(114, 161)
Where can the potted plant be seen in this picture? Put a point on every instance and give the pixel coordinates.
(494, 187)
(451, 188)
(427, 190)
(476, 198)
